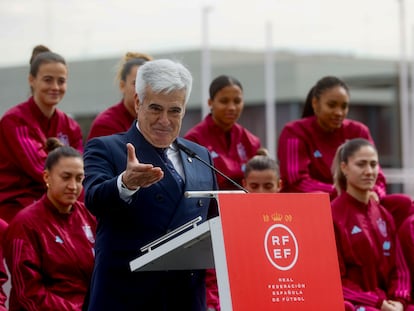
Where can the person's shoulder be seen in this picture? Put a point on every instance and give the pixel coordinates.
(108, 140)
(3, 226)
(241, 128)
(354, 125)
(188, 143)
(298, 128)
(17, 111)
(400, 205)
(247, 137)
(341, 211)
(299, 123)
(28, 215)
(114, 119)
(196, 130)
(28, 222)
(338, 203)
(111, 112)
(353, 128)
(104, 139)
(246, 131)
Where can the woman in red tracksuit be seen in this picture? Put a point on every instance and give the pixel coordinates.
(306, 147)
(48, 245)
(25, 128)
(230, 146)
(373, 270)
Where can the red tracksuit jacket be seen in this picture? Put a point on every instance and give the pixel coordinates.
(23, 133)
(50, 257)
(115, 119)
(306, 152)
(371, 262)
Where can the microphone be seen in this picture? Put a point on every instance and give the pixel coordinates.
(192, 154)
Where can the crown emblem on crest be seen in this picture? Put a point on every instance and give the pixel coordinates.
(277, 217)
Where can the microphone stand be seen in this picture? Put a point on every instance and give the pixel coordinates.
(192, 154)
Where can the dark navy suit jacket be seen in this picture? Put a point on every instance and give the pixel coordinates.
(123, 228)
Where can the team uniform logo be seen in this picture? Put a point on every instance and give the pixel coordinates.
(89, 234)
(317, 154)
(382, 226)
(64, 139)
(241, 150)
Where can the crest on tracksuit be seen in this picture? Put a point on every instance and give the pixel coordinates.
(88, 232)
(382, 227)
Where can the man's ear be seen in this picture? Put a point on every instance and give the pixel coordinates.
(136, 105)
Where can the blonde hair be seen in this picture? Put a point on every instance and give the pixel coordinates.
(262, 152)
(130, 60)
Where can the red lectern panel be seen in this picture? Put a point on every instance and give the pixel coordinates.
(281, 252)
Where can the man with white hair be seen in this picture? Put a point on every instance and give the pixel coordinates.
(135, 183)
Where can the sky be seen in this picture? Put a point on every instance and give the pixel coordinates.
(85, 29)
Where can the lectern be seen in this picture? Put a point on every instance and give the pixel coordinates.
(270, 251)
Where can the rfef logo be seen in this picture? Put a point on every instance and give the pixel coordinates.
(281, 247)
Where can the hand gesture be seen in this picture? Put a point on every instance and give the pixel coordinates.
(139, 174)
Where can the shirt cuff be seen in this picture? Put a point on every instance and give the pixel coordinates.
(124, 193)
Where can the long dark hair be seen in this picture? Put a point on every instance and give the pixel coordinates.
(326, 83)
(130, 60)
